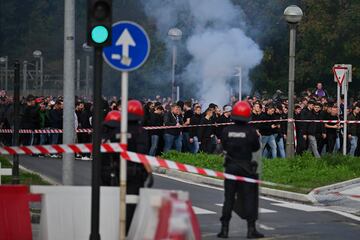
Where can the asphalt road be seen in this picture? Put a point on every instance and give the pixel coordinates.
(278, 219)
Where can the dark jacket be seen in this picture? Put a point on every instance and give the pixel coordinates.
(316, 128)
(239, 142)
(352, 128)
(110, 163)
(56, 118)
(265, 128)
(306, 114)
(206, 132)
(156, 120)
(195, 120)
(171, 119)
(30, 118)
(219, 129)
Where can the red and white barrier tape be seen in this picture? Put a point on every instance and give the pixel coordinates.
(89, 130)
(80, 130)
(130, 156)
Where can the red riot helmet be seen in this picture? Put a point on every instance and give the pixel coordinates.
(112, 119)
(241, 112)
(135, 110)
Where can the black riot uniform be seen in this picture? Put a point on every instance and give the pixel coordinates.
(239, 142)
(137, 175)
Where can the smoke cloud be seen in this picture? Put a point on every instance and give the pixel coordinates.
(214, 38)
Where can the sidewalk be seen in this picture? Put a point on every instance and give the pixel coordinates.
(340, 202)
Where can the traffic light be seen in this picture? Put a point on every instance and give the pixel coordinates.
(99, 22)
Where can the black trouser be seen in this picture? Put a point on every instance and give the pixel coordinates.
(133, 188)
(320, 142)
(241, 197)
(331, 141)
(207, 145)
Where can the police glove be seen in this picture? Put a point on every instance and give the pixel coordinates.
(149, 181)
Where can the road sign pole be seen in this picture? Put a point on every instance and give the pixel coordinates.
(96, 141)
(123, 142)
(15, 170)
(345, 116)
(130, 49)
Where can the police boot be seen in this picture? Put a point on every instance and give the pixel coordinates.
(224, 233)
(252, 232)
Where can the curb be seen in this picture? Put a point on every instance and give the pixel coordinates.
(46, 178)
(335, 186)
(297, 197)
(50, 180)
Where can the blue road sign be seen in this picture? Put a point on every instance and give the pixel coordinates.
(130, 47)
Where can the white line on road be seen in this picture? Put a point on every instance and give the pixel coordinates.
(202, 211)
(266, 227)
(347, 215)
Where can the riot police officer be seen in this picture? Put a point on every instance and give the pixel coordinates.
(239, 142)
(138, 175)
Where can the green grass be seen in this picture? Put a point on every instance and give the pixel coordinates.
(304, 172)
(25, 177)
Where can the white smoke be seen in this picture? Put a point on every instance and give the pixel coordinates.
(217, 42)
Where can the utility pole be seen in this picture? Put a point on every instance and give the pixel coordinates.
(15, 169)
(24, 77)
(78, 76)
(69, 91)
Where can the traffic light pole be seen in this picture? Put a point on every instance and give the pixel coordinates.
(96, 141)
(15, 169)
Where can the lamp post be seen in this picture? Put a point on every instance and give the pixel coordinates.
(239, 74)
(38, 55)
(293, 15)
(5, 61)
(175, 35)
(87, 49)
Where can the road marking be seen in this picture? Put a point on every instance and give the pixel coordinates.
(262, 210)
(347, 215)
(266, 227)
(202, 211)
(300, 207)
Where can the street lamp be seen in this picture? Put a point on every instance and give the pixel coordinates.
(175, 35)
(38, 55)
(87, 49)
(5, 61)
(293, 15)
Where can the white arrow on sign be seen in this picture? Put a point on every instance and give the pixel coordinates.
(125, 40)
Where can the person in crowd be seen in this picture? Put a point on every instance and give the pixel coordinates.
(188, 113)
(306, 114)
(194, 131)
(320, 91)
(352, 129)
(256, 115)
(30, 119)
(316, 131)
(207, 133)
(332, 129)
(280, 132)
(173, 136)
(44, 120)
(56, 122)
(268, 131)
(156, 119)
(240, 141)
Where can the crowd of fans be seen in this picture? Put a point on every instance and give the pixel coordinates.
(316, 137)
